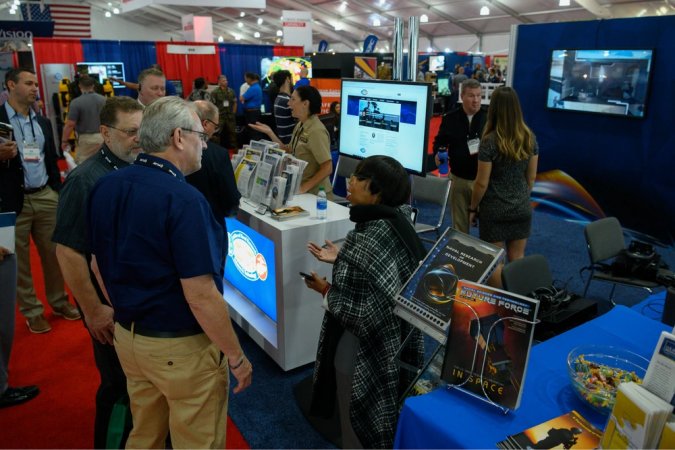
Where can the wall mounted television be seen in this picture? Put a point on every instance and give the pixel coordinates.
(105, 70)
(612, 82)
(389, 118)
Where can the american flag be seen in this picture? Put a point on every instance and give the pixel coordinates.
(70, 21)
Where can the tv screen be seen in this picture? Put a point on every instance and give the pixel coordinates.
(614, 82)
(386, 118)
(105, 70)
(436, 63)
(291, 63)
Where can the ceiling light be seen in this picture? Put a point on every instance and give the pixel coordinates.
(564, 3)
(376, 22)
(256, 34)
(240, 24)
(641, 13)
(108, 14)
(29, 44)
(12, 11)
(278, 40)
(338, 26)
(280, 33)
(221, 39)
(116, 10)
(381, 50)
(485, 11)
(343, 6)
(382, 2)
(424, 18)
(357, 50)
(429, 49)
(237, 37)
(16, 3)
(109, 3)
(446, 50)
(260, 20)
(405, 50)
(242, 14)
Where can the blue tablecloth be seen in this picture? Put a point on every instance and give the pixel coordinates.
(452, 419)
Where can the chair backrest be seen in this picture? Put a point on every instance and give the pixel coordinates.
(604, 238)
(431, 189)
(524, 275)
(345, 167)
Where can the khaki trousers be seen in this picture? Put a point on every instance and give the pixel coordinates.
(174, 384)
(37, 220)
(87, 145)
(460, 199)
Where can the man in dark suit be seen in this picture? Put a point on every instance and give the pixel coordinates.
(216, 177)
(29, 182)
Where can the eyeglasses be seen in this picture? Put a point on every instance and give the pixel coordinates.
(130, 132)
(214, 124)
(203, 136)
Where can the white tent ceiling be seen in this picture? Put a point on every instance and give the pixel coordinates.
(349, 22)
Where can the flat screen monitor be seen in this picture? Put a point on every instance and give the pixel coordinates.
(291, 63)
(178, 85)
(614, 82)
(443, 83)
(105, 70)
(389, 118)
(250, 266)
(436, 63)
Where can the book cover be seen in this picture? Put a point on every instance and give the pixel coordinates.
(490, 334)
(289, 212)
(425, 299)
(568, 431)
(7, 231)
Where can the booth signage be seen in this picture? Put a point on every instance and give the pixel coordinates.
(298, 29)
(130, 5)
(16, 29)
(191, 49)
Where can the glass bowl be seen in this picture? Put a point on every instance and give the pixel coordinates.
(596, 371)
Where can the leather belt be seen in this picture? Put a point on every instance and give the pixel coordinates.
(134, 328)
(34, 190)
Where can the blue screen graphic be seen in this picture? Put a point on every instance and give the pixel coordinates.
(250, 266)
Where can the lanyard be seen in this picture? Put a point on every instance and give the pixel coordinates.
(108, 160)
(154, 162)
(30, 120)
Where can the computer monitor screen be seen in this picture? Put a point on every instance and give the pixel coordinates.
(386, 118)
(443, 85)
(436, 63)
(105, 70)
(614, 82)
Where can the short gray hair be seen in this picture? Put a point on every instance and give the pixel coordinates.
(206, 110)
(160, 119)
(470, 83)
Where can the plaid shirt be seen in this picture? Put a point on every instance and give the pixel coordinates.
(369, 271)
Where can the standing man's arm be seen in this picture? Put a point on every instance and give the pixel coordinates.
(211, 312)
(67, 129)
(99, 317)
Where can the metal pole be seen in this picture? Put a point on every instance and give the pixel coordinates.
(413, 40)
(398, 49)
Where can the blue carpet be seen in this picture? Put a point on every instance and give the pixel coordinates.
(267, 414)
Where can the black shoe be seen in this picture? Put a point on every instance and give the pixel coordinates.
(14, 396)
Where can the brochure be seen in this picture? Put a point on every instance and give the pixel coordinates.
(568, 431)
(7, 231)
(660, 376)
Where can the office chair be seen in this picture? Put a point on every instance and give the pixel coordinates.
(524, 275)
(345, 167)
(434, 190)
(604, 239)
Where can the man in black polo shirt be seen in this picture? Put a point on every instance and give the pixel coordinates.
(120, 121)
(160, 251)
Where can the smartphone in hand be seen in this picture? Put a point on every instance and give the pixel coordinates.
(306, 276)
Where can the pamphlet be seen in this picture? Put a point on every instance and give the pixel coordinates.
(6, 132)
(426, 299)
(244, 174)
(253, 154)
(7, 230)
(277, 192)
(660, 376)
(489, 342)
(288, 212)
(261, 182)
(568, 431)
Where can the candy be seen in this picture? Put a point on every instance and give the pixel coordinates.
(597, 383)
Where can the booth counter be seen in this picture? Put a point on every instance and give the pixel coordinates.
(263, 287)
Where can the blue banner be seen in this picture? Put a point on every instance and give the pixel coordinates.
(369, 44)
(18, 29)
(323, 46)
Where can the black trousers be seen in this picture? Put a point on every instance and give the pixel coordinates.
(252, 116)
(113, 387)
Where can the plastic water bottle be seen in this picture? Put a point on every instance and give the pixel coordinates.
(321, 204)
(443, 159)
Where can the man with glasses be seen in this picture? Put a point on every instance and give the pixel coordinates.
(159, 251)
(216, 177)
(29, 181)
(120, 120)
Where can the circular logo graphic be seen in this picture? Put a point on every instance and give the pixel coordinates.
(440, 283)
(249, 262)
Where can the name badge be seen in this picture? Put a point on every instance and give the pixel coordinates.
(31, 152)
(473, 146)
(304, 138)
(226, 103)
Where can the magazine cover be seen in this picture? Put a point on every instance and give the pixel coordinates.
(568, 431)
(489, 333)
(426, 299)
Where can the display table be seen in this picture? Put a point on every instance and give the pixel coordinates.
(266, 294)
(452, 419)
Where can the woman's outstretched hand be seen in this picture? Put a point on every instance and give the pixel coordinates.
(327, 253)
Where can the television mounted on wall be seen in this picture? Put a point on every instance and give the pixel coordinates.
(612, 82)
(382, 117)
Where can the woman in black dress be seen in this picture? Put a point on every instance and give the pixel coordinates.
(507, 167)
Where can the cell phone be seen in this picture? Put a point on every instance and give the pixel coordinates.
(306, 275)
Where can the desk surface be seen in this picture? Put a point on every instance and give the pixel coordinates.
(452, 419)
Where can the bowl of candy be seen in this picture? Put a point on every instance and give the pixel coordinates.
(597, 370)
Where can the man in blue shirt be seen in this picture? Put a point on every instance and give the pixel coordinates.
(303, 80)
(159, 252)
(252, 99)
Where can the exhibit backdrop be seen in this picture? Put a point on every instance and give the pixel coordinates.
(600, 165)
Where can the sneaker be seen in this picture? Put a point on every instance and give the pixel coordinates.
(38, 324)
(68, 312)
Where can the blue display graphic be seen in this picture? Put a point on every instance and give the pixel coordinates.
(250, 266)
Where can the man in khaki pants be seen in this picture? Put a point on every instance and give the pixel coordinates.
(29, 181)
(83, 117)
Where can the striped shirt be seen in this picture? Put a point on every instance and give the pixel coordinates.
(282, 116)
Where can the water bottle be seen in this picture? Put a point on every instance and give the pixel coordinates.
(443, 159)
(321, 204)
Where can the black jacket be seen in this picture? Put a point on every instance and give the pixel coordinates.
(11, 175)
(454, 133)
